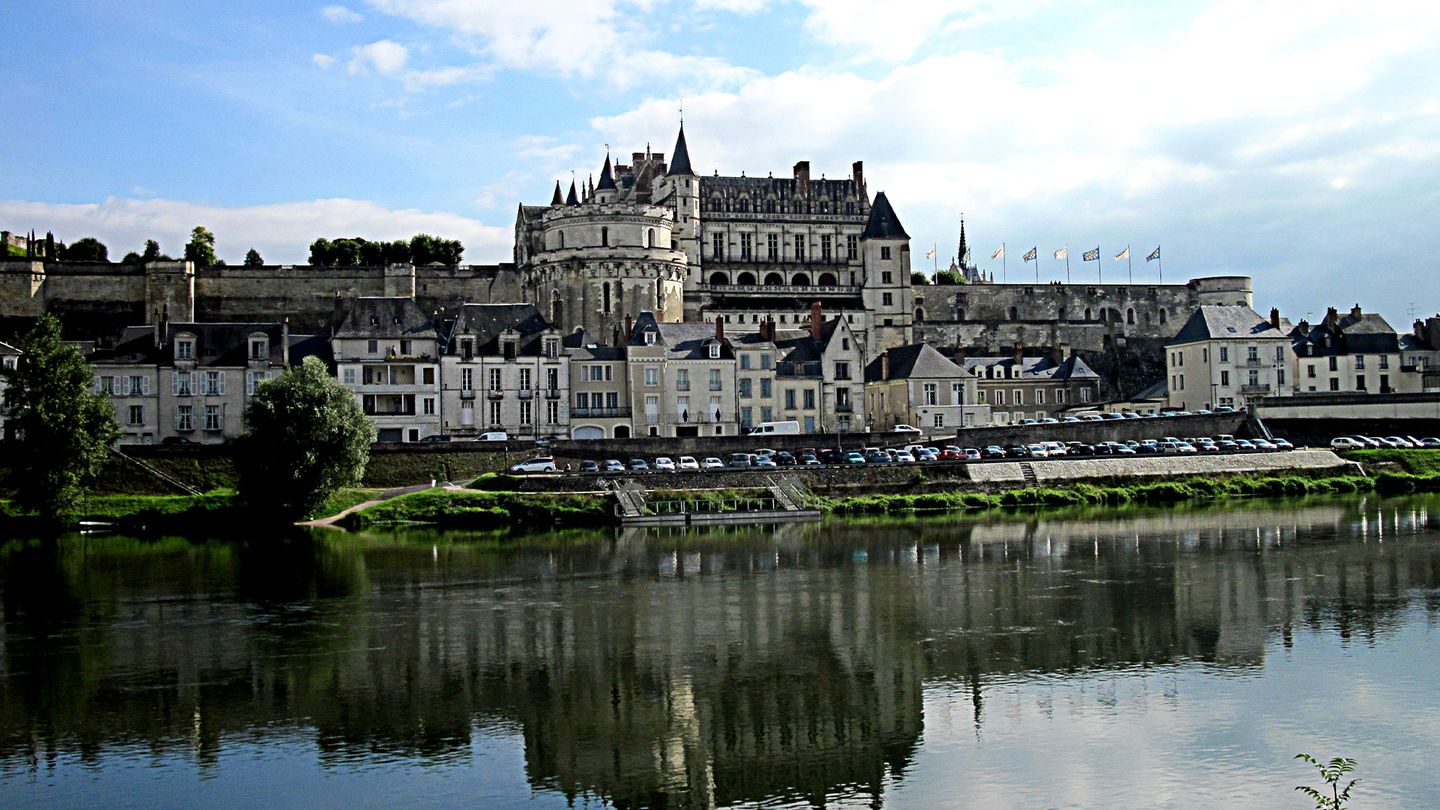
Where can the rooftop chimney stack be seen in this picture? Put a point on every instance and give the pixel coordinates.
(1355, 312)
(885, 365)
(1275, 317)
(1332, 318)
(629, 326)
(857, 173)
(1019, 355)
(615, 336)
(802, 177)
(959, 355)
(719, 328)
(815, 320)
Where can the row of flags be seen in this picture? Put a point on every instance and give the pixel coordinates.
(1033, 254)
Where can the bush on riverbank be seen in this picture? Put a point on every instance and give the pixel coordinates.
(486, 510)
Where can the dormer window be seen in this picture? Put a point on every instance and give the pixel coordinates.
(259, 348)
(507, 348)
(467, 348)
(185, 348)
(649, 337)
(714, 351)
(552, 348)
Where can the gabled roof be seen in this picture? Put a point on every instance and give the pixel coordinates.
(1212, 322)
(1354, 333)
(680, 161)
(387, 317)
(1034, 368)
(682, 341)
(487, 322)
(883, 223)
(918, 360)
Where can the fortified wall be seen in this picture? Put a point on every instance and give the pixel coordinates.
(1087, 317)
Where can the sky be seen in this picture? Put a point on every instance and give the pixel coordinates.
(1294, 142)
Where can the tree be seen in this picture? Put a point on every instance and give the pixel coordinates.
(949, 277)
(88, 249)
(427, 249)
(919, 278)
(201, 248)
(152, 253)
(131, 258)
(64, 429)
(306, 437)
(252, 258)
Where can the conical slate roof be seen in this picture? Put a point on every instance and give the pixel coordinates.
(680, 161)
(571, 199)
(883, 223)
(557, 199)
(607, 180)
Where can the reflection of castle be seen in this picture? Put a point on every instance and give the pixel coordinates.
(660, 668)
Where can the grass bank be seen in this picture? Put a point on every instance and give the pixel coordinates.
(218, 511)
(1416, 462)
(470, 509)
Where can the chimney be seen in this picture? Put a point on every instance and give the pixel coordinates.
(885, 365)
(285, 341)
(1019, 355)
(1058, 352)
(1432, 332)
(615, 337)
(1355, 312)
(815, 320)
(767, 329)
(155, 329)
(1419, 330)
(1304, 327)
(857, 173)
(719, 328)
(1331, 318)
(1275, 317)
(164, 325)
(629, 327)
(959, 355)
(802, 176)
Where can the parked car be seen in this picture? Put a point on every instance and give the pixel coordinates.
(1037, 450)
(741, 460)
(1108, 415)
(809, 458)
(878, 457)
(688, 464)
(1399, 441)
(493, 436)
(712, 463)
(1246, 446)
(832, 456)
(1283, 444)
(1068, 419)
(971, 454)
(639, 465)
(853, 457)
(614, 465)
(435, 438)
(589, 465)
(951, 454)
(1430, 441)
(784, 458)
(905, 429)
(539, 464)
(904, 457)
(664, 464)
(765, 461)
(1079, 449)
(993, 451)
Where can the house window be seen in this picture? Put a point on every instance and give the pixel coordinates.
(747, 241)
(495, 379)
(181, 384)
(766, 388)
(1254, 378)
(259, 349)
(649, 337)
(527, 412)
(1018, 395)
(1280, 376)
(884, 253)
(140, 386)
(1039, 396)
(652, 377)
(213, 418)
(1084, 394)
(105, 385)
(772, 247)
(887, 299)
(137, 415)
(852, 247)
(765, 361)
(184, 417)
(1224, 354)
(495, 413)
(714, 351)
(185, 349)
(428, 405)
(999, 396)
(717, 246)
(372, 347)
(467, 379)
(347, 375)
(552, 378)
(682, 379)
(552, 411)
(214, 383)
(825, 250)
(714, 379)
(799, 247)
(253, 380)
(1384, 361)
(1334, 383)
(747, 388)
(1334, 364)
(930, 393)
(525, 379)
(886, 277)
(809, 399)
(605, 237)
(1360, 382)
(842, 370)
(1310, 370)
(1224, 377)
(1360, 361)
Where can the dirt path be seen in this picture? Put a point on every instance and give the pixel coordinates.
(329, 522)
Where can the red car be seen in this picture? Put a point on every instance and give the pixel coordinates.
(951, 454)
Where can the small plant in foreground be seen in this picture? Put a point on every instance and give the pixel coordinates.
(1332, 772)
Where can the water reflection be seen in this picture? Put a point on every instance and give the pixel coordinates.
(651, 668)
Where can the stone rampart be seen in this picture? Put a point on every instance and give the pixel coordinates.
(1060, 471)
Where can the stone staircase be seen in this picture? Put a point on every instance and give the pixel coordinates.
(1028, 471)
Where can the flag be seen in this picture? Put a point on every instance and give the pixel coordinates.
(1123, 255)
(1062, 253)
(1153, 256)
(1091, 255)
(999, 252)
(965, 260)
(930, 254)
(1030, 255)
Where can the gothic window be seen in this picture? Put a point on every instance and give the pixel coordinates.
(1087, 313)
(1162, 316)
(605, 289)
(605, 237)
(1014, 314)
(1130, 316)
(919, 315)
(745, 278)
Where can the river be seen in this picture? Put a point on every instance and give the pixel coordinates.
(1172, 657)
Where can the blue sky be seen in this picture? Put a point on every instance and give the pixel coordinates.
(1296, 142)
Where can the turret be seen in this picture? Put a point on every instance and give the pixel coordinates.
(606, 192)
(885, 247)
(556, 200)
(685, 188)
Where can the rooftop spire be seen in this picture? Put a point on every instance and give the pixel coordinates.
(680, 161)
(572, 199)
(557, 199)
(607, 180)
(883, 223)
(960, 257)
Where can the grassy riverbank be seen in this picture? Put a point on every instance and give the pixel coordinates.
(218, 511)
(472, 509)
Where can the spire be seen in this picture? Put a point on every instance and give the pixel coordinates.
(557, 199)
(883, 223)
(680, 161)
(960, 257)
(607, 180)
(571, 199)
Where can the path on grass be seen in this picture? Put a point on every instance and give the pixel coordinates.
(385, 495)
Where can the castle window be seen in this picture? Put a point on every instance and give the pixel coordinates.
(827, 280)
(747, 241)
(801, 280)
(1014, 314)
(825, 251)
(605, 290)
(650, 237)
(561, 235)
(1130, 316)
(745, 278)
(774, 278)
(919, 315)
(799, 247)
(605, 237)
(717, 246)
(1162, 316)
(852, 246)
(772, 244)
(1087, 313)
(884, 253)
(718, 278)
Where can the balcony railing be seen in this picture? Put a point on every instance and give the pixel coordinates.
(467, 393)
(1255, 389)
(803, 290)
(598, 413)
(553, 393)
(495, 393)
(844, 407)
(525, 393)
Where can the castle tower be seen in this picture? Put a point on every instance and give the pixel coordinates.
(684, 186)
(888, 296)
(606, 192)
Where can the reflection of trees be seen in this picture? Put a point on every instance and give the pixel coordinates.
(659, 668)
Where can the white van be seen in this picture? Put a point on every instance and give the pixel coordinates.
(773, 428)
(493, 436)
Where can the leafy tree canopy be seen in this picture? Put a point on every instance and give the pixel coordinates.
(152, 254)
(356, 251)
(88, 249)
(306, 438)
(949, 277)
(252, 258)
(201, 247)
(63, 428)
(919, 278)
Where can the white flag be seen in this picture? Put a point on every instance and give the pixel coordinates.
(930, 254)
(999, 252)
(1063, 253)
(1123, 255)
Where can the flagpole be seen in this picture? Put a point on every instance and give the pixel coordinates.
(1099, 265)
(1161, 260)
(1129, 270)
(1067, 264)
(1004, 266)
(1036, 249)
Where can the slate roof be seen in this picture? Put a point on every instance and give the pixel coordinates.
(385, 317)
(918, 360)
(217, 345)
(883, 223)
(682, 341)
(680, 161)
(1034, 368)
(486, 322)
(1354, 333)
(1212, 322)
(607, 179)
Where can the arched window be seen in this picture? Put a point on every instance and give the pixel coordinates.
(1014, 313)
(919, 315)
(774, 278)
(827, 280)
(718, 278)
(1087, 313)
(650, 237)
(801, 280)
(1130, 316)
(1162, 316)
(745, 278)
(605, 237)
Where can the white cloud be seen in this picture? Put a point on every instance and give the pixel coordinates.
(324, 60)
(384, 56)
(340, 15)
(733, 6)
(282, 232)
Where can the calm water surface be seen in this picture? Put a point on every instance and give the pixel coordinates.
(1161, 658)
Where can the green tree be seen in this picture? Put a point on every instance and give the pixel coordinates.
(427, 249)
(949, 277)
(919, 278)
(88, 249)
(320, 254)
(252, 258)
(152, 253)
(131, 258)
(306, 437)
(63, 428)
(201, 247)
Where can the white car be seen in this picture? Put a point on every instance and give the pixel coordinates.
(689, 463)
(904, 457)
(712, 463)
(663, 464)
(1346, 443)
(905, 429)
(534, 465)
(1038, 451)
